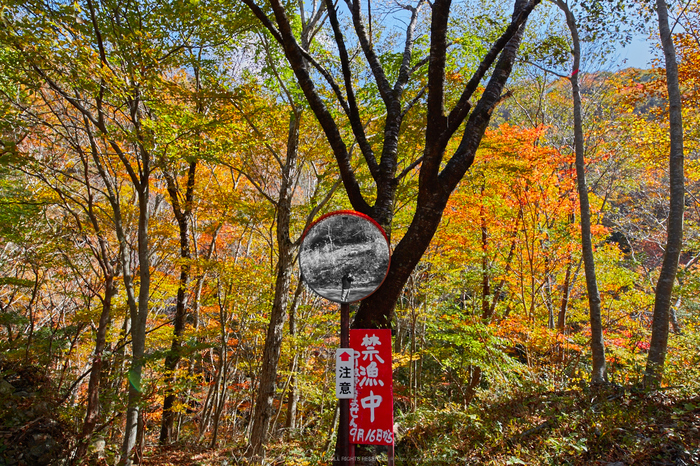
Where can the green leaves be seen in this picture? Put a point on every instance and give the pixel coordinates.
(14, 281)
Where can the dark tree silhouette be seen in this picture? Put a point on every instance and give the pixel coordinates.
(438, 175)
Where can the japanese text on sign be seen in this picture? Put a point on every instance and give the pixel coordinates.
(344, 373)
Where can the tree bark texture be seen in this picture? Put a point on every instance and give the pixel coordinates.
(674, 241)
(598, 372)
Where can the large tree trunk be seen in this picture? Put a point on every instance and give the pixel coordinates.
(438, 177)
(435, 186)
(598, 373)
(674, 242)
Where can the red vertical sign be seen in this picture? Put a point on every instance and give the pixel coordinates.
(372, 408)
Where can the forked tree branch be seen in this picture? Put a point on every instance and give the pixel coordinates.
(295, 56)
(354, 115)
(463, 157)
(370, 55)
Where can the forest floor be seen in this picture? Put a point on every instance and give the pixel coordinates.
(185, 455)
(608, 426)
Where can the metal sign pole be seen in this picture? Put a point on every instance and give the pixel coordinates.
(345, 257)
(347, 450)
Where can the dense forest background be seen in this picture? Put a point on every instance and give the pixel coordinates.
(159, 163)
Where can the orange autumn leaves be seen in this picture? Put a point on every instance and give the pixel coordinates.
(517, 191)
(510, 233)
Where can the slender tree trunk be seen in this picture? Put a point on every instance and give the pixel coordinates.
(290, 422)
(222, 391)
(474, 380)
(93, 391)
(509, 261)
(139, 318)
(212, 394)
(413, 365)
(334, 425)
(548, 292)
(664, 288)
(273, 340)
(486, 297)
(30, 308)
(292, 400)
(566, 287)
(598, 372)
(675, 325)
(133, 412)
(173, 358)
(565, 294)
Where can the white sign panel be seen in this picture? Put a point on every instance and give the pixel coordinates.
(344, 373)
